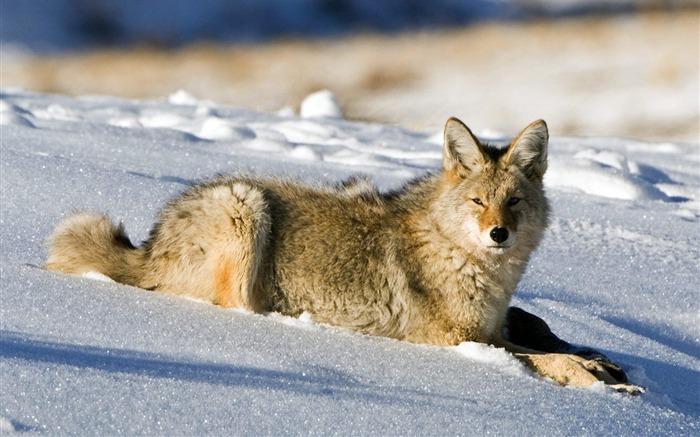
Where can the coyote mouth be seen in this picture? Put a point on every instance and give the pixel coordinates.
(499, 248)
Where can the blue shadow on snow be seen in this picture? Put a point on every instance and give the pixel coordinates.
(320, 381)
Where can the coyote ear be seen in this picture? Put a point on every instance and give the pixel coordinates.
(528, 150)
(462, 153)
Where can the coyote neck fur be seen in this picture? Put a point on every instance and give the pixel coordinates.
(465, 292)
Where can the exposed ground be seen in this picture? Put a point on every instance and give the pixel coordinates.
(630, 75)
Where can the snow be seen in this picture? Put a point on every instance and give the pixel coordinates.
(321, 104)
(618, 271)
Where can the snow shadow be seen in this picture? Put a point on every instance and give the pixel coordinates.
(683, 345)
(315, 381)
(667, 383)
(164, 178)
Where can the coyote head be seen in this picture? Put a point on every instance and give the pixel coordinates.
(492, 199)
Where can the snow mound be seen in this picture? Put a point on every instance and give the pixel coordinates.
(604, 173)
(97, 276)
(182, 97)
(321, 104)
(484, 353)
(13, 115)
(6, 426)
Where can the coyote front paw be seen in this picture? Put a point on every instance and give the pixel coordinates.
(568, 369)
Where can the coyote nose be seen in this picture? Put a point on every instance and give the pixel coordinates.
(499, 234)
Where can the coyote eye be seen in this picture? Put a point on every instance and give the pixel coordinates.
(513, 201)
(477, 201)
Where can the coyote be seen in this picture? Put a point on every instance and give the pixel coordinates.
(435, 261)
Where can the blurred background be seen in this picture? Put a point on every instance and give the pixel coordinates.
(627, 68)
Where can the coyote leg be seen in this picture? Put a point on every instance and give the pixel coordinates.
(568, 369)
(244, 235)
(209, 244)
(532, 342)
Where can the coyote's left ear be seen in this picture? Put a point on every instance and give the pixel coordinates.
(528, 150)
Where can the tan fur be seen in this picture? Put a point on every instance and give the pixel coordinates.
(419, 264)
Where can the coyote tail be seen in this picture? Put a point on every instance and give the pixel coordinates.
(87, 242)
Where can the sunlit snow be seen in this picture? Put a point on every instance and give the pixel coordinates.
(617, 271)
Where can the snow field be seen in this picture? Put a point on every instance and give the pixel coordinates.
(618, 271)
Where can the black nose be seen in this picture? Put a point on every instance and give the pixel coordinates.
(499, 235)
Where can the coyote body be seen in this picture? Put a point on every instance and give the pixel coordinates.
(435, 261)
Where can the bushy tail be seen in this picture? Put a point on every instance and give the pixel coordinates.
(87, 242)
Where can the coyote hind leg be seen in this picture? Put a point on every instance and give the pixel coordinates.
(243, 244)
(209, 244)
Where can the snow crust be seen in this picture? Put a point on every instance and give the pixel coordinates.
(617, 271)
